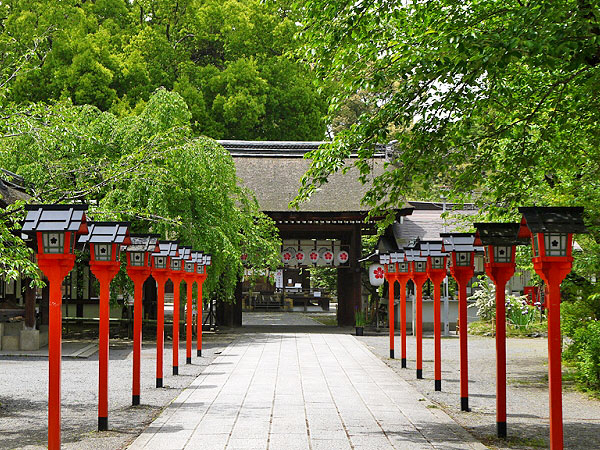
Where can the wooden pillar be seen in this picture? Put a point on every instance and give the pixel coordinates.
(44, 312)
(29, 296)
(349, 280)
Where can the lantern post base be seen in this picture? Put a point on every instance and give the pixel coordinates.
(501, 428)
(464, 404)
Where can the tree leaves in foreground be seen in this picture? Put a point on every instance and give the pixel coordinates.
(496, 101)
(146, 169)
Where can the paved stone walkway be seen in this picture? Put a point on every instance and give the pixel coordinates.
(277, 318)
(302, 391)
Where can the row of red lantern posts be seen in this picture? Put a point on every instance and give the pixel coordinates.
(54, 231)
(550, 231)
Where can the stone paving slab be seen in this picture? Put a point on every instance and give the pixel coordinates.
(302, 391)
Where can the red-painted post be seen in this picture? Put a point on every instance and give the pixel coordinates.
(419, 278)
(463, 274)
(138, 279)
(161, 278)
(104, 271)
(437, 277)
(391, 284)
(188, 322)
(176, 279)
(553, 273)
(551, 230)
(56, 268)
(200, 279)
(139, 259)
(500, 275)
(402, 280)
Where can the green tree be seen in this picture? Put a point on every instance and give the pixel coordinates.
(495, 100)
(147, 169)
(227, 59)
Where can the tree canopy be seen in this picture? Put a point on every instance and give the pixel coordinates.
(147, 169)
(227, 59)
(494, 101)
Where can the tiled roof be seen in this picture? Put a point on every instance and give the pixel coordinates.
(11, 188)
(273, 169)
(426, 222)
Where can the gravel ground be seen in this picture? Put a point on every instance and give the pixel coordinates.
(23, 395)
(527, 391)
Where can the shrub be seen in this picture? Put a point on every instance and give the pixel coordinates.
(485, 299)
(588, 355)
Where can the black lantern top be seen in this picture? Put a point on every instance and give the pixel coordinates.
(413, 255)
(552, 229)
(389, 260)
(503, 234)
(563, 219)
(499, 240)
(178, 262)
(50, 223)
(168, 249)
(141, 247)
(107, 233)
(144, 243)
(61, 218)
(459, 242)
(433, 251)
(432, 248)
(462, 246)
(201, 261)
(103, 236)
(384, 258)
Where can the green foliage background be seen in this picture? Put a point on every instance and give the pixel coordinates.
(227, 60)
(490, 101)
(147, 169)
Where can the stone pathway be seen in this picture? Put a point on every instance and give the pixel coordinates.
(302, 391)
(277, 319)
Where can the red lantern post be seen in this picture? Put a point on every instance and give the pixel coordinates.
(105, 239)
(418, 273)
(139, 261)
(403, 277)
(202, 261)
(499, 241)
(177, 275)
(462, 269)
(160, 272)
(189, 277)
(436, 272)
(54, 229)
(390, 268)
(552, 242)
